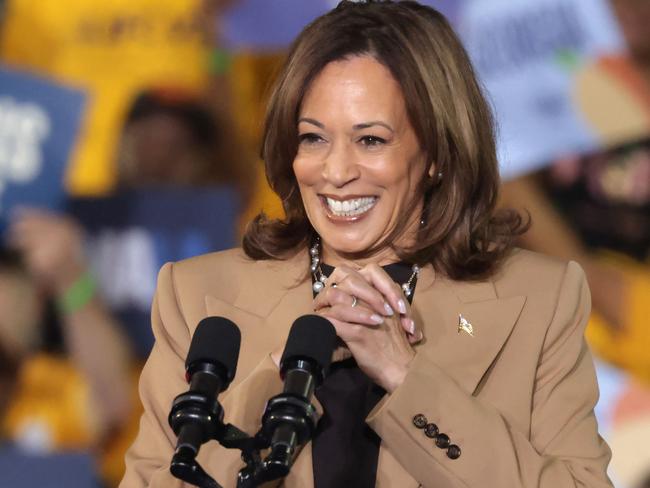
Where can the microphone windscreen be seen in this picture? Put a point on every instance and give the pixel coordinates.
(311, 337)
(216, 340)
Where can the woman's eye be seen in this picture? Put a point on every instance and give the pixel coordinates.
(309, 138)
(372, 141)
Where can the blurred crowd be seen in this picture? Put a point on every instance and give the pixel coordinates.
(169, 105)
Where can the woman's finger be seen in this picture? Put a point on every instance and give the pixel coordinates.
(330, 296)
(346, 331)
(394, 294)
(408, 324)
(413, 333)
(353, 283)
(360, 314)
(391, 291)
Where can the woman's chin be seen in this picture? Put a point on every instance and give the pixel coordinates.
(347, 247)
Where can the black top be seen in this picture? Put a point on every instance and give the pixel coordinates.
(345, 449)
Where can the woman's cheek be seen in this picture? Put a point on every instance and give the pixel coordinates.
(306, 170)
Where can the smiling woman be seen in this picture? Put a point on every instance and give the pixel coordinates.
(426, 116)
(359, 162)
(454, 369)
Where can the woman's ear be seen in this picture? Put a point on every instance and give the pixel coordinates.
(435, 176)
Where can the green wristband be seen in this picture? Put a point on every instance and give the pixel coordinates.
(78, 295)
(219, 61)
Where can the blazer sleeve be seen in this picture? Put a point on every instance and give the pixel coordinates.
(562, 449)
(163, 377)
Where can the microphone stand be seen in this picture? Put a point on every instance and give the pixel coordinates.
(202, 418)
(287, 421)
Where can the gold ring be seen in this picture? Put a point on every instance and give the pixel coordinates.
(354, 301)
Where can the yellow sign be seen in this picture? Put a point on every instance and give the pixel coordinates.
(113, 49)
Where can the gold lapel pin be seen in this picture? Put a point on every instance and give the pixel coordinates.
(465, 325)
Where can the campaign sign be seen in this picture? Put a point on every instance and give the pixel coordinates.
(556, 74)
(131, 235)
(39, 122)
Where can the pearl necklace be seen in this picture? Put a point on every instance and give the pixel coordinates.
(320, 280)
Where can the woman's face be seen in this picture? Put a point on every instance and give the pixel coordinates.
(359, 161)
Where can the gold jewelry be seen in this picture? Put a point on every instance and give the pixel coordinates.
(354, 301)
(465, 326)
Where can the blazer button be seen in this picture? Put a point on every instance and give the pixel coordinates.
(453, 452)
(420, 421)
(431, 430)
(442, 441)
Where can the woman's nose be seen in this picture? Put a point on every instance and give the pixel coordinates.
(340, 166)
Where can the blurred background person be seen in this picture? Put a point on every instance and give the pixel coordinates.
(65, 367)
(113, 53)
(158, 108)
(170, 139)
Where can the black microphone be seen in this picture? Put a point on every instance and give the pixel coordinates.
(290, 419)
(196, 416)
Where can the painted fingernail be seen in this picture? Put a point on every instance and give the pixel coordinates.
(377, 319)
(402, 306)
(389, 309)
(411, 326)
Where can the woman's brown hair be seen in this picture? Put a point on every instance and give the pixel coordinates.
(462, 234)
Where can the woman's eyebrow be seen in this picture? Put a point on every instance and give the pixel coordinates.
(361, 126)
(311, 121)
(366, 125)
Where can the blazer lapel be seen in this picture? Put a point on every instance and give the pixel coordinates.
(465, 357)
(265, 306)
(269, 282)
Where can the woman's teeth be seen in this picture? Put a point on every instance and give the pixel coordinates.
(350, 208)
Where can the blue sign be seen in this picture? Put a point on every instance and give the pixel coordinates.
(131, 235)
(542, 66)
(39, 123)
(262, 25)
(19, 469)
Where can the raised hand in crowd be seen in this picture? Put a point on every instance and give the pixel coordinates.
(52, 249)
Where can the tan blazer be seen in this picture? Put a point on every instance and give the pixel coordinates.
(517, 397)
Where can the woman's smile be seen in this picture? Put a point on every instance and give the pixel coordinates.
(348, 209)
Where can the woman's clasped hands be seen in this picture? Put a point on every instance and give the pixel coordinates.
(373, 318)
